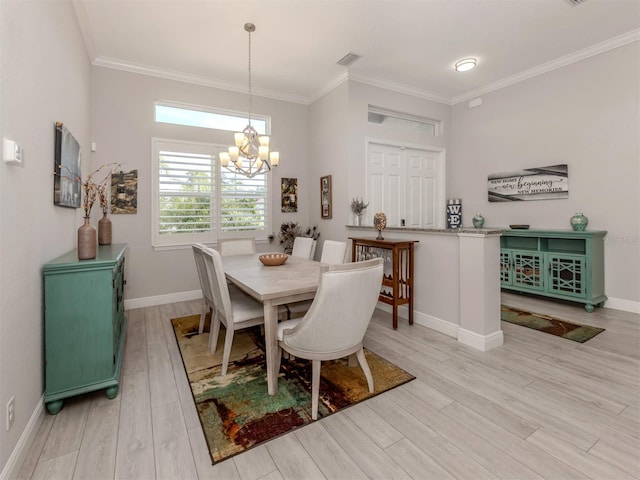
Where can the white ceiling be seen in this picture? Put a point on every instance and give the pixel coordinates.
(409, 46)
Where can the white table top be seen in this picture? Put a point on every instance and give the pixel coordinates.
(297, 276)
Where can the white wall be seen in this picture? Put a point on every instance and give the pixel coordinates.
(123, 126)
(585, 115)
(328, 155)
(45, 77)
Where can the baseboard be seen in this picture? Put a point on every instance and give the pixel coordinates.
(480, 342)
(434, 323)
(624, 305)
(162, 299)
(21, 450)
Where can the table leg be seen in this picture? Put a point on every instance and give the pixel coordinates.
(271, 345)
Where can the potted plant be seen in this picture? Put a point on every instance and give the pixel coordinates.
(358, 207)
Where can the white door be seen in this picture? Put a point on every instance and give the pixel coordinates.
(406, 184)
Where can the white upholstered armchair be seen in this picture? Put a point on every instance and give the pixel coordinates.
(335, 325)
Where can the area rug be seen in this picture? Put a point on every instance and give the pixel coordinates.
(549, 324)
(237, 413)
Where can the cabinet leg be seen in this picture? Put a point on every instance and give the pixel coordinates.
(112, 392)
(55, 406)
(589, 307)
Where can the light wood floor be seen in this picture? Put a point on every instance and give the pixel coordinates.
(537, 407)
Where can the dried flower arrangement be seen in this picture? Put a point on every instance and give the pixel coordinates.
(358, 206)
(93, 190)
(290, 230)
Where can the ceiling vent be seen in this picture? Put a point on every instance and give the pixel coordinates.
(348, 59)
(575, 3)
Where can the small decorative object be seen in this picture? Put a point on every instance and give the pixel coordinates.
(87, 240)
(478, 221)
(380, 222)
(519, 227)
(104, 225)
(325, 196)
(273, 259)
(454, 213)
(357, 207)
(87, 237)
(579, 222)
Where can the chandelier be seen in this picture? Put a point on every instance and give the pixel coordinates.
(251, 155)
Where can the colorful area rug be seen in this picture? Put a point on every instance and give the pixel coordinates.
(549, 324)
(236, 411)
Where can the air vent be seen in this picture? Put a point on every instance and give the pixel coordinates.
(575, 3)
(348, 59)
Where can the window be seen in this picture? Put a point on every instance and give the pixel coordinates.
(192, 116)
(403, 121)
(197, 201)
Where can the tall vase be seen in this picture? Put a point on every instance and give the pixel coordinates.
(357, 219)
(87, 241)
(104, 230)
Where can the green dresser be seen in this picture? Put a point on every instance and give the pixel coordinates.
(562, 264)
(84, 324)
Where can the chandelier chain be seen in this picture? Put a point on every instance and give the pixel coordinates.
(250, 90)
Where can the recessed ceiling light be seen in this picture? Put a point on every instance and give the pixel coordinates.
(466, 64)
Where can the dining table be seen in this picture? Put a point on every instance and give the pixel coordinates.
(295, 280)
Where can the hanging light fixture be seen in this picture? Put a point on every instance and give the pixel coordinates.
(251, 155)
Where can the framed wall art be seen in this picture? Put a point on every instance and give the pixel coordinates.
(124, 192)
(289, 194)
(541, 183)
(325, 196)
(67, 181)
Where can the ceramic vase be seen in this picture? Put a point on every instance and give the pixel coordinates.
(478, 221)
(579, 222)
(104, 230)
(87, 241)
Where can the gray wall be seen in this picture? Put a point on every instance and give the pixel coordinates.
(45, 78)
(123, 126)
(585, 115)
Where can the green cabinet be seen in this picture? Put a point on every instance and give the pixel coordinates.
(556, 263)
(85, 324)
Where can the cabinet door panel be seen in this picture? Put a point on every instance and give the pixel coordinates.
(505, 267)
(567, 275)
(528, 271)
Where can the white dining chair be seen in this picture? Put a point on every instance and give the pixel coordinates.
(207, 292)
(333, 253)
(237, 246)
(236, 313)
(335, 325)
(304, 247)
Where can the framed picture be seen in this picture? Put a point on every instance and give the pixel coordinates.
(124, 192)
(289, 194)
(67, 183)
(325, 196)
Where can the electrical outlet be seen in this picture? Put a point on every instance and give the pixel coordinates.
(11, 412)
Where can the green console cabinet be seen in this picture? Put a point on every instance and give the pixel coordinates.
(85, 324)
(562, 264)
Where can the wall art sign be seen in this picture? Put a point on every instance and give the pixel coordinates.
(66, 174)
(325, 197)
(124, 192)
(454, 213)
(289, 194)
(543, 183)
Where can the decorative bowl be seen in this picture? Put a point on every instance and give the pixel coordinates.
(273, 259)
(519, 227)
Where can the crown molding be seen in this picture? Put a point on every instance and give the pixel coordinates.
(194, 79)
(598, 48)
(333, 84)
(400, 88)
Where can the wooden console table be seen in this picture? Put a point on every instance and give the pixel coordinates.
(397, 282)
